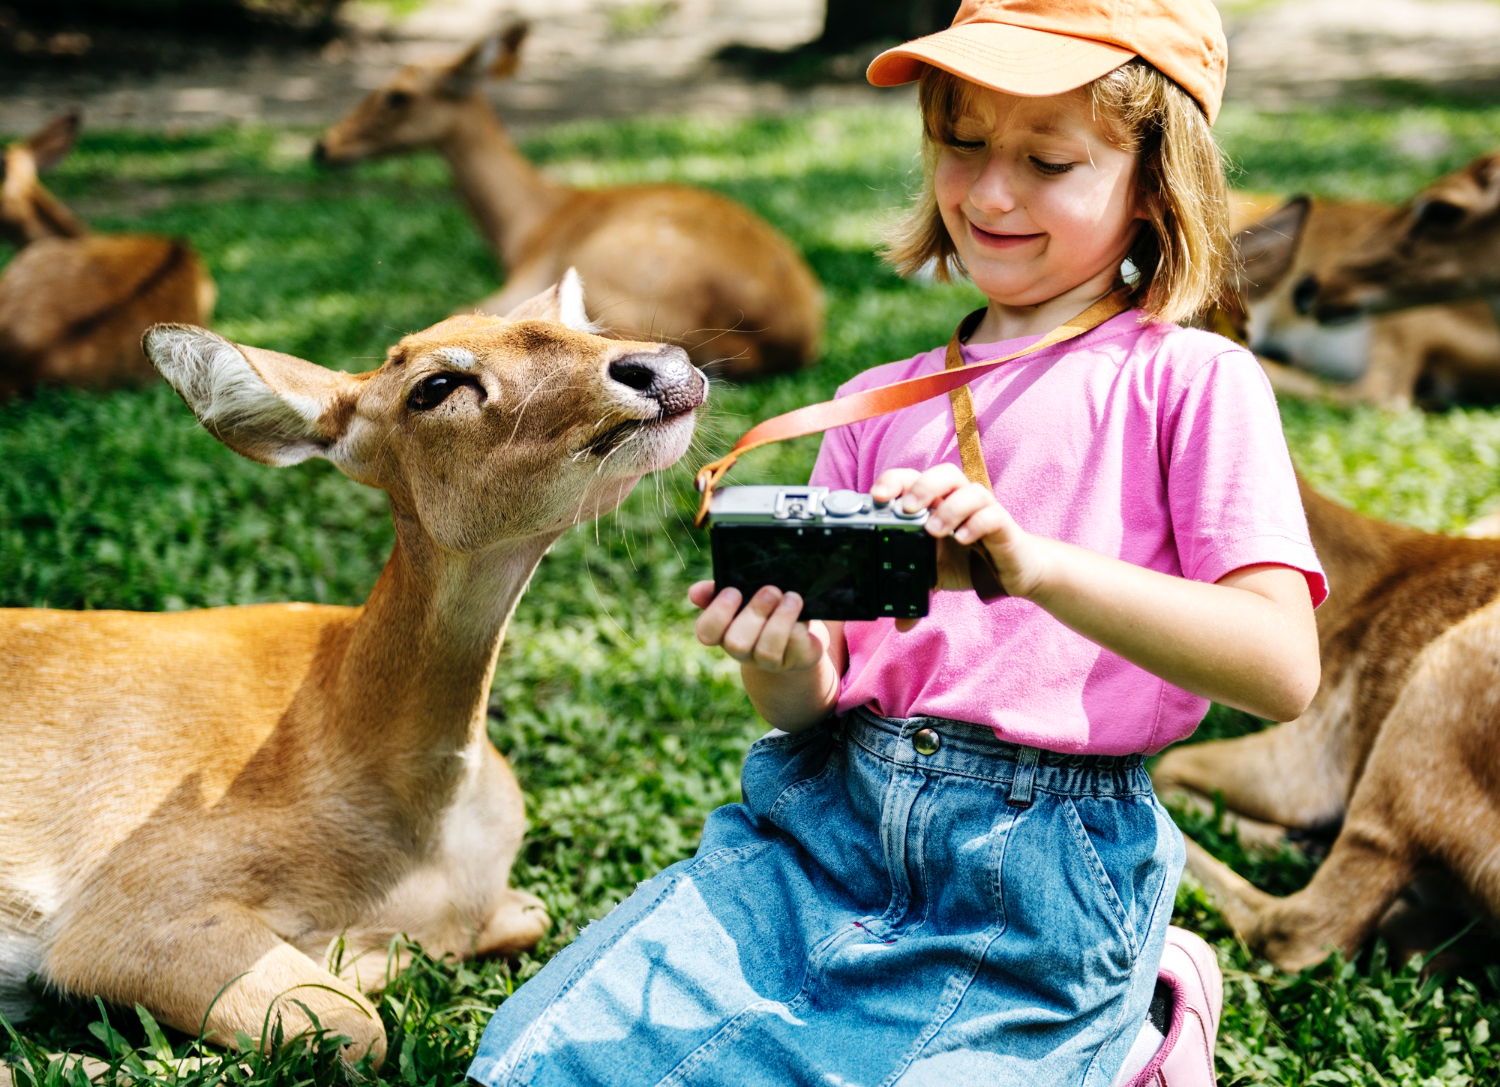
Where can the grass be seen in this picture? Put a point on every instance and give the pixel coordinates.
(624, 731)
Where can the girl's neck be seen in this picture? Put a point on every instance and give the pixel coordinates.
(1008, 322)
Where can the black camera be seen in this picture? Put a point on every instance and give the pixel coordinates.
(848, 556)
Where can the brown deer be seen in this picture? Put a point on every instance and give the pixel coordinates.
(663, 261)
(200, 810)
(1435, 354)
(1401, 743)
(1441, 245)
(73, 304)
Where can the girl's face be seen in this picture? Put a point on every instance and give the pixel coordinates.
(1037, 201)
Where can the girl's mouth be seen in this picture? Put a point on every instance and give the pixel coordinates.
(992, 240)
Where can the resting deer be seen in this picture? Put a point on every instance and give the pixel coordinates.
(1434, 353)
(73, 304)
(1400, 744)
(196, 807)
(665, 262)
(1441, 245)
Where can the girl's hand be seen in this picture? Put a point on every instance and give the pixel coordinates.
(966, 514)
(766, 634)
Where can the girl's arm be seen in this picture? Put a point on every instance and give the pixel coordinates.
(1247, 641)
(791, 668)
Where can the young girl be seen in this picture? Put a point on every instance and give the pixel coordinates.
(949, 867)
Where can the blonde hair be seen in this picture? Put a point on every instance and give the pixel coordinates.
(1181, 254)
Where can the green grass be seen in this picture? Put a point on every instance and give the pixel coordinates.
(624, 731)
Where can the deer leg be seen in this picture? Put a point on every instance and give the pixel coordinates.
(1290, 775)
(218, 969)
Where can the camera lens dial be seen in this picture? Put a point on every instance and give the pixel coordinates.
(843, 503)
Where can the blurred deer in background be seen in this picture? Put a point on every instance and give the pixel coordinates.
(662, 261)
(1434, 354)
(1442, 245)
(1398, 749)
(73, 304)
(200, 809)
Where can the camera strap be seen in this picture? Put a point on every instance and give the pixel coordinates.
(953, 379)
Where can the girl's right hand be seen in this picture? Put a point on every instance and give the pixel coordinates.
(765, 634)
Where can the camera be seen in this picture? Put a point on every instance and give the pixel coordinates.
(848, 556)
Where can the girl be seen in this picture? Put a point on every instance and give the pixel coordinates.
(948, 866)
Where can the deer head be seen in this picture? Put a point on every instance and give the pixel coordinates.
(423, 104)
(28, 212)
(481, 429)
(1443, 245)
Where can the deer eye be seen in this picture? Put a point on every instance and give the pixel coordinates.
(432, 391)
(397, 99)
(1438, 216)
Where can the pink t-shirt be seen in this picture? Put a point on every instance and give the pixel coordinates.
(1156, 444)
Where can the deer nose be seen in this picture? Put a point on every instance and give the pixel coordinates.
(1305, 293)
(320, 154)
(668, 378)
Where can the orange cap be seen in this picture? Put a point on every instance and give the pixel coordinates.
(1042, 47)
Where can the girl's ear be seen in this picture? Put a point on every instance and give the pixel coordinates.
(264, 405)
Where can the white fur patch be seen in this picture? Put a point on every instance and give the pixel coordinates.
(460, 358)
(230, 398)
(570, 309)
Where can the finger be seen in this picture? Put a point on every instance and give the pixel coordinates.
(770, 647)
(701, 593)
(806, 646)
(991, 520)
(958, 507)
(933, 485)
(903, 625)
(892, 484)
(739, 640)
(716, 618)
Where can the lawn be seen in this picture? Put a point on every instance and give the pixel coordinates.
(624, 731)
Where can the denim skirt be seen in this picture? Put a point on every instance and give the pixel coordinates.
(894, 902)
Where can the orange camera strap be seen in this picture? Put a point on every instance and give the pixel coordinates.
(867, 404)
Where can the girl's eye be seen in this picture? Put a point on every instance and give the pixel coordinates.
(966, 146)
(432, 391)
(1051, 169)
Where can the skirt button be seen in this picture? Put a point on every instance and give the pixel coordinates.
(926, 741)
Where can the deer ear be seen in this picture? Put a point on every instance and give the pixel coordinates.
(465, 74)
(264, 405)
(1267, 249)
(509, 58)
(51, 143)
(562, 302)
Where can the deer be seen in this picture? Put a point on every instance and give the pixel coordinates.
(1435, 354)
(73, 304)
(1442, 245)
(662, 261)
(1397, 750)
(228, 815)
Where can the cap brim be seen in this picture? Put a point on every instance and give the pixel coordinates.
(1013, 59)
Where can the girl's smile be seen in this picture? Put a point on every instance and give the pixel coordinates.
(1001, 239)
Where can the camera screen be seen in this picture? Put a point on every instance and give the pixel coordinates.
(838, 572)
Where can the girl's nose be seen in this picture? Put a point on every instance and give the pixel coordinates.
(994, 190)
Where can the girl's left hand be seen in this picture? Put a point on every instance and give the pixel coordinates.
(967, 514)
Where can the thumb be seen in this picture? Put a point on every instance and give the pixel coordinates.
(903, 625)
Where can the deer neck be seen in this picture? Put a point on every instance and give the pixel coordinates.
(505, 193)
(410, 694)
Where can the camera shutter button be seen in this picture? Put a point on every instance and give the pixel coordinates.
(843, 503)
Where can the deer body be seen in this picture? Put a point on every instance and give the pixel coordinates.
(666, 261)
(1399, 744)
(194, 798)
(1438, 353)
(73, 304)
